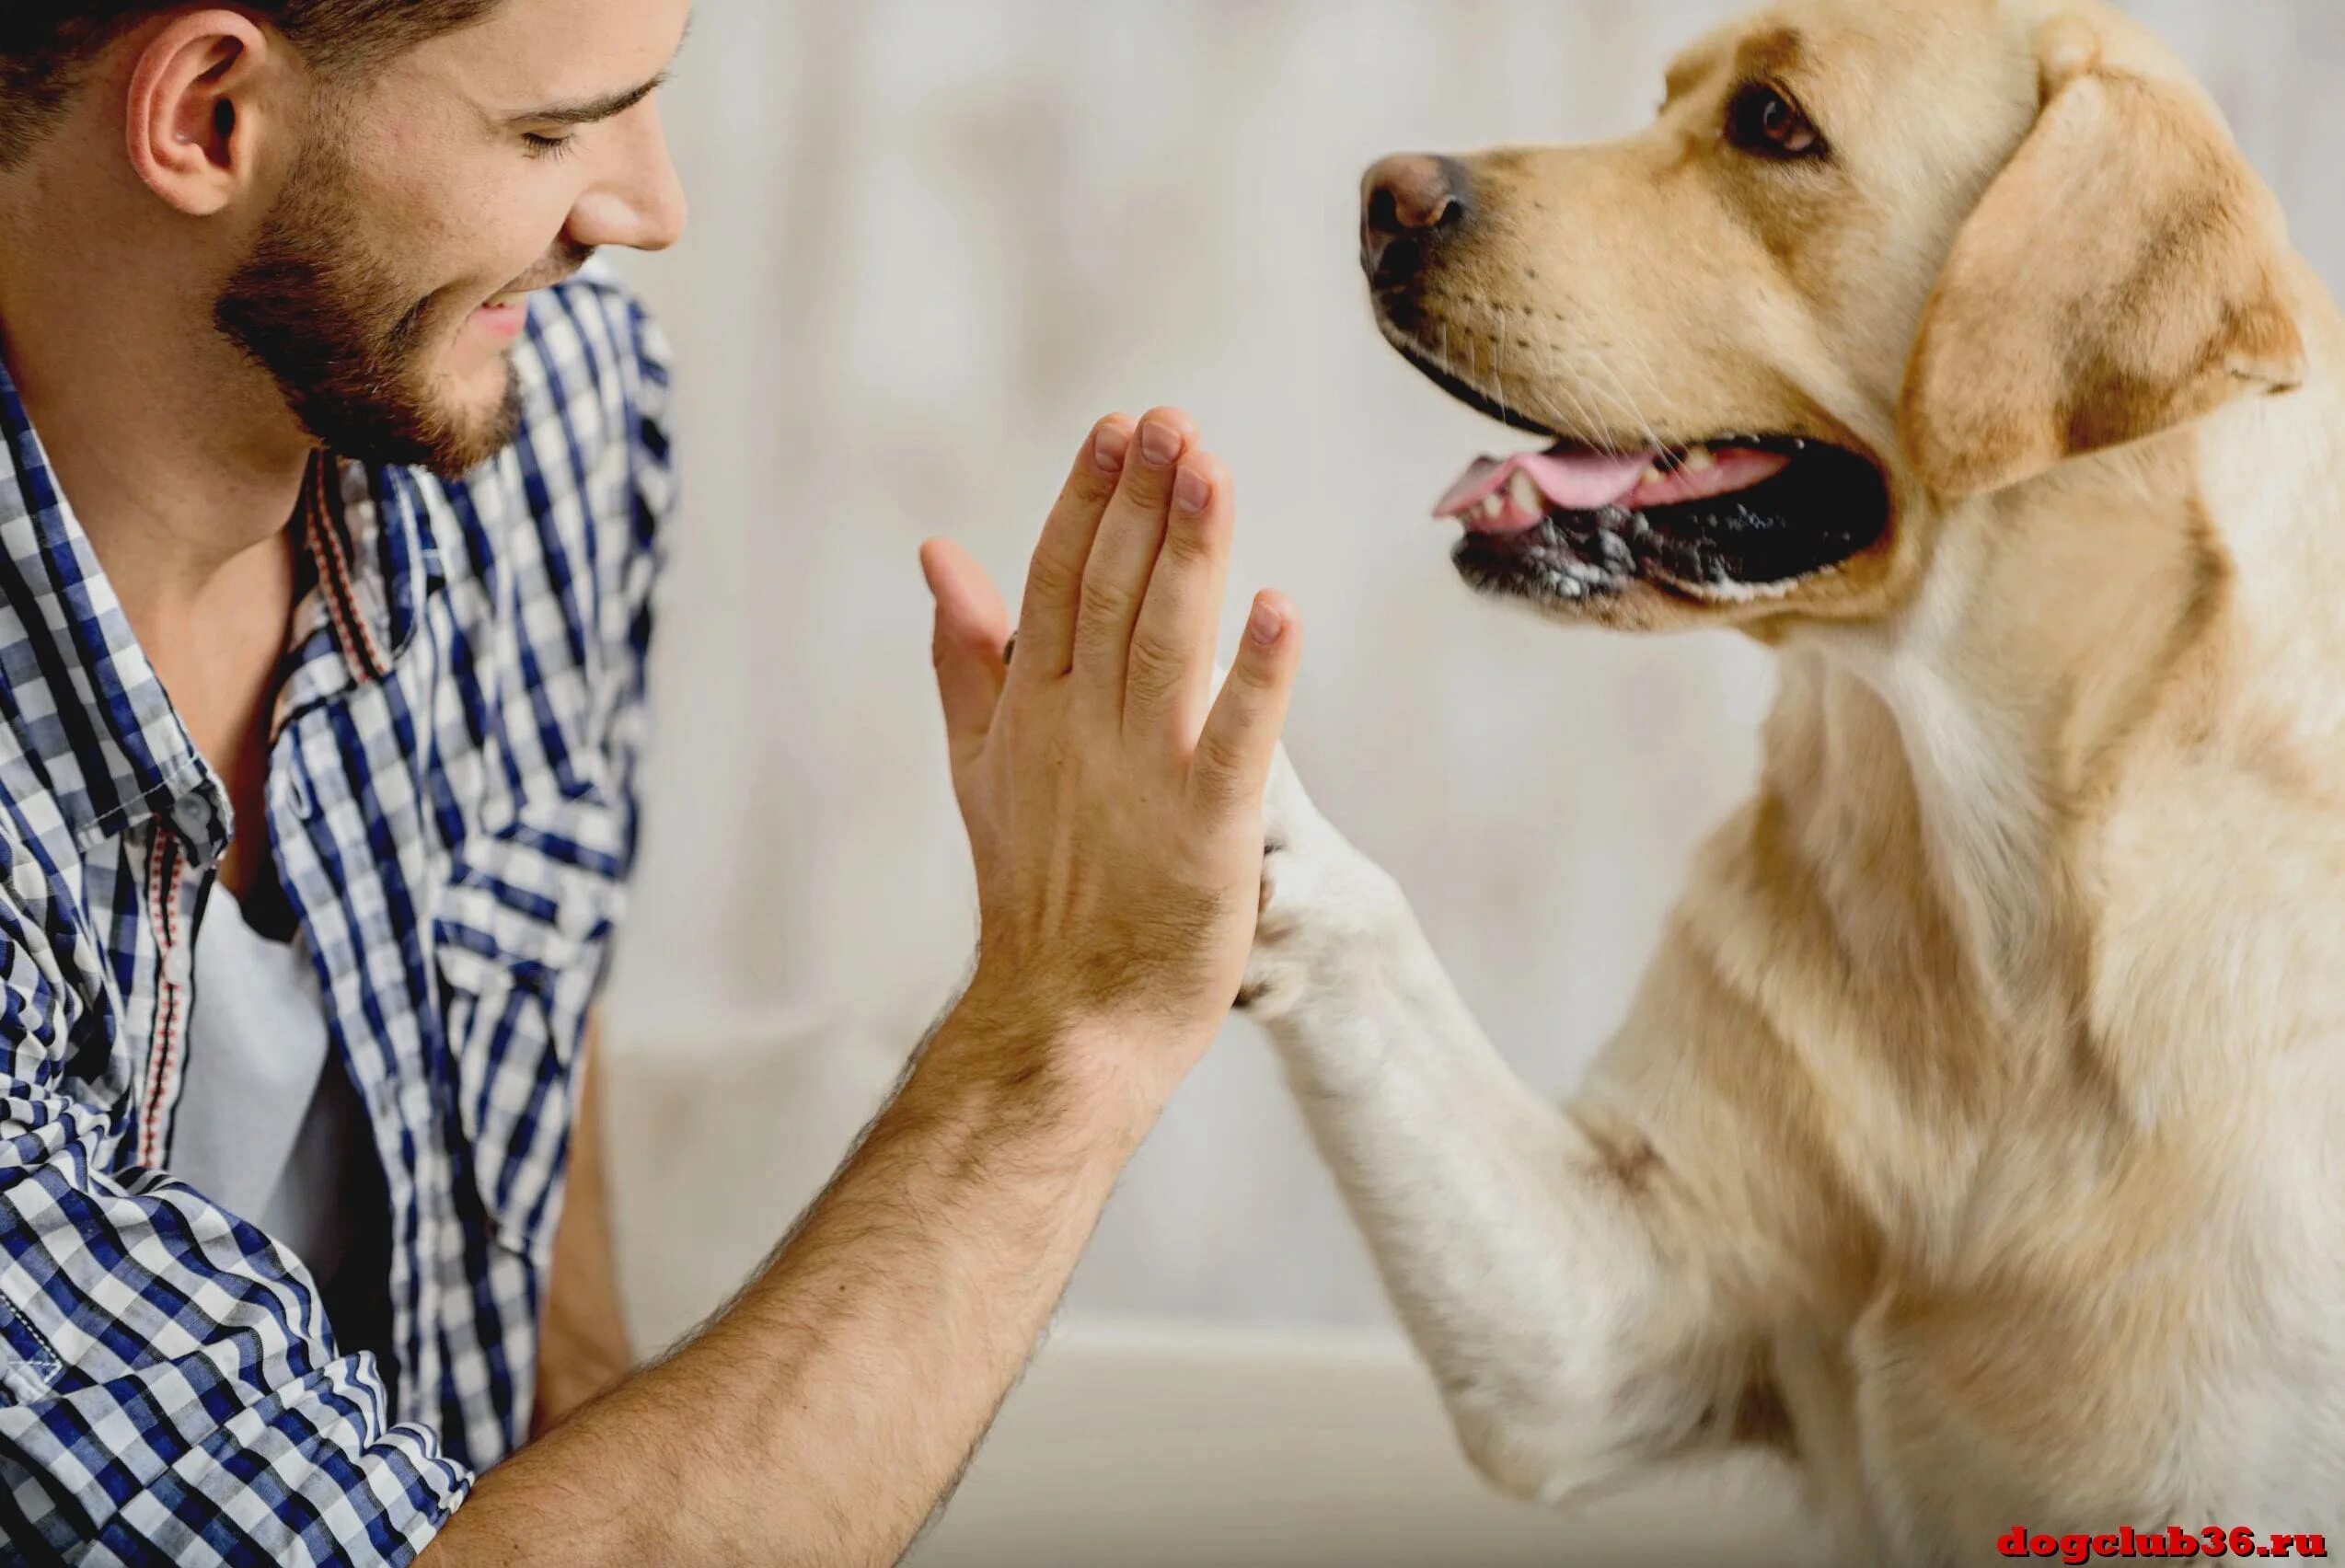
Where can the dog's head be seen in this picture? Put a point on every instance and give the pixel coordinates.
(1875, 258)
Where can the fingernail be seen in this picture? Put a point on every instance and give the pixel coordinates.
(1268, 624)
(1108, 450)
(1190, 491)
(1160, 443)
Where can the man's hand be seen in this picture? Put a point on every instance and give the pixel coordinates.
(1114, 805)
(1115, 811)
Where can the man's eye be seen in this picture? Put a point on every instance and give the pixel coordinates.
(1764, 120)
(548, 146)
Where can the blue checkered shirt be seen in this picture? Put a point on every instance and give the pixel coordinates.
(451, 806)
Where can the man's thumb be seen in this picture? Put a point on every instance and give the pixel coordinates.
(972, 627)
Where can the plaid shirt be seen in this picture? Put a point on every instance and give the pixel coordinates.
(450, 802)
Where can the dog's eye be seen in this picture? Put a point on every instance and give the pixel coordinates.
(1761, 119)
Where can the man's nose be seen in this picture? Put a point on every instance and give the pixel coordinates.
(640, 206)
(1411, 204)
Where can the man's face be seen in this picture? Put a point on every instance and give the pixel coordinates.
(383, 292)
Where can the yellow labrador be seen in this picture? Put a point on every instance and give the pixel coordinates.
(1977, 1140)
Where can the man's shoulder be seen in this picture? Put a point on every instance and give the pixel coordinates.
(593, 343)
(591, 374)
(591, 471)
(565, 530)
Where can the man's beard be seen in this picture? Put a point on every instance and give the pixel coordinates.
(345, 341)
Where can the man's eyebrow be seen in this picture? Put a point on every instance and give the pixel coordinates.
(589, 111)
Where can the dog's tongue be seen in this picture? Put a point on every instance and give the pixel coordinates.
(1512, 495)
(1575, 482)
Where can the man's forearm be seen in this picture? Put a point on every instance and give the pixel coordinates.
(819, 1418)
(582, 1348)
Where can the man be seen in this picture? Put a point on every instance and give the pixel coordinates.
(327, 522)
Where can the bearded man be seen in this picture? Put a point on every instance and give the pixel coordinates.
(334, 485)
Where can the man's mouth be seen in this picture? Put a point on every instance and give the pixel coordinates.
(1735, 517)
(506, 313)
(504, 317)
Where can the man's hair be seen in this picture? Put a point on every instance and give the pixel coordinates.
(45, 45)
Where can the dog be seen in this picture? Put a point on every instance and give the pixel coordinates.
(1974, 1147)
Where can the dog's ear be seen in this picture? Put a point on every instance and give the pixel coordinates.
(2125, 274)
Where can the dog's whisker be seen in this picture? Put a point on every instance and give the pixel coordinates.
(1627, 400)
(1584, 414)
(1628, 411)
(1645, 376)
(1499, 371)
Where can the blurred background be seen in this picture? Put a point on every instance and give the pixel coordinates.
(932, 241)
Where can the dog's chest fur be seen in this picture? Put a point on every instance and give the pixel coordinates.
(2081, 1045)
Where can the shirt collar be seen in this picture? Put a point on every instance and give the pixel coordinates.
(376, 562)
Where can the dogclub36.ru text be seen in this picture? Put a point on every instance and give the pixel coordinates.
(2172, 1541)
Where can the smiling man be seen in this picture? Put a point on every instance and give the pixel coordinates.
(330, 505)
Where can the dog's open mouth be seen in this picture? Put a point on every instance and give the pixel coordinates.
(1737, 516)
(1721, 519)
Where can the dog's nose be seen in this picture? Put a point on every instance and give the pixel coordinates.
(1409, 204)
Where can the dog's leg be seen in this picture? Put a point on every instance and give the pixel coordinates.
(1539, 1263)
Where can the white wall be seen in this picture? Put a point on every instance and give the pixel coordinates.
(932, 240)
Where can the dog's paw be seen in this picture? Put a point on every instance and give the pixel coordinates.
(1319, 897)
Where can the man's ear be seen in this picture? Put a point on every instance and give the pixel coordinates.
(2126, 274)
(192, 114)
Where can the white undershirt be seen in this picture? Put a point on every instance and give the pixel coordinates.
(268, 1124)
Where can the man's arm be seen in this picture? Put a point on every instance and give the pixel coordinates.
(584, 1348)
(821, 1417)
(1115, 814)
(169, 1387)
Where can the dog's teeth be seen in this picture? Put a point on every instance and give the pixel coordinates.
(1493, 506)
(1524, 493)
(1652, 474)
(1698, 459)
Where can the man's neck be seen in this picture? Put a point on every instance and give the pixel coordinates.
(178, 457)
(177, 454)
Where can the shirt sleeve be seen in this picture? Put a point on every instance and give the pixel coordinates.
(169, 1390)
